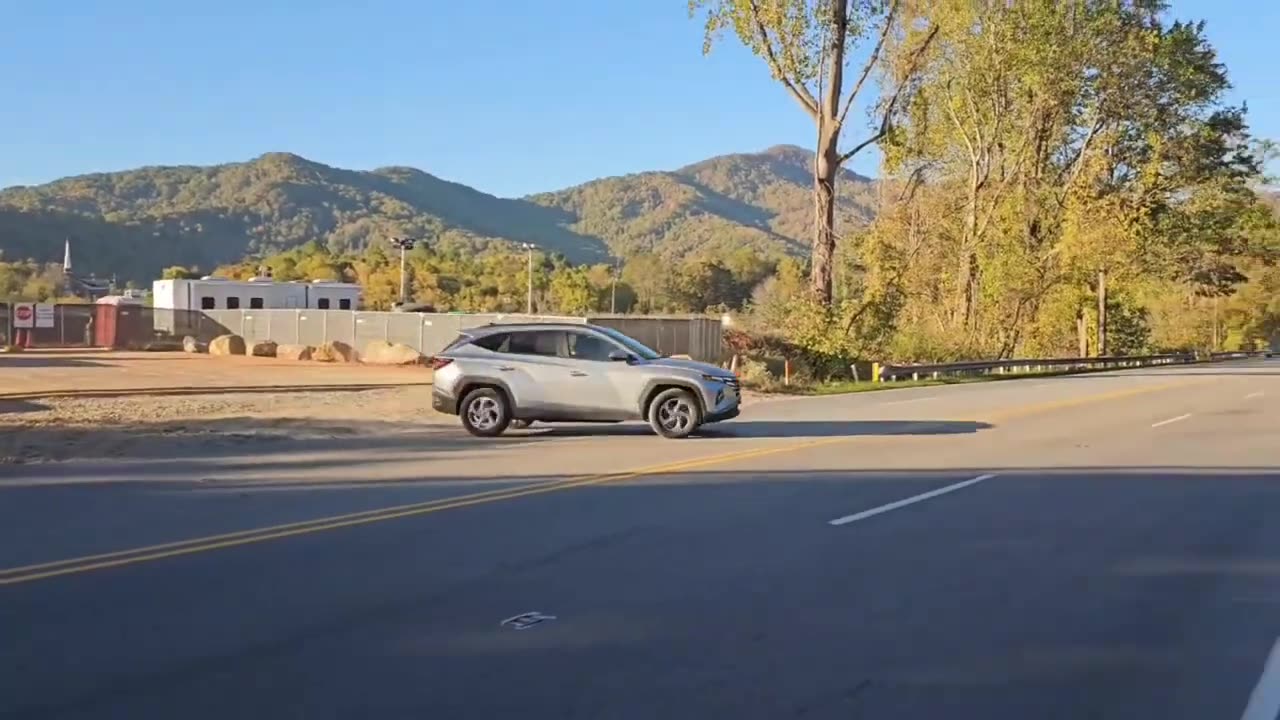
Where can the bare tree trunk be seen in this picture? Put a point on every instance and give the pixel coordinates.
(968, 258)
(1217, 343)
(826, 162)
(825, 169)
(1102, 313)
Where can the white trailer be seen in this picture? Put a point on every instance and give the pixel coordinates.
(210, 293)
(179, 303)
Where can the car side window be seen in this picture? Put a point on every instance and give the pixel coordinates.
(584, 346)
(537, 342)
(497, 342)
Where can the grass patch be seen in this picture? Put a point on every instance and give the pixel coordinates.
(844, 387)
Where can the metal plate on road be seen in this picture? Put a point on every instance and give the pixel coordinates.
(524, 621)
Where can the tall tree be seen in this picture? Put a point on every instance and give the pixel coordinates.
(807, 46)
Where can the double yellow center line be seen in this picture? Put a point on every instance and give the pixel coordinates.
(88, 563)
(41, 571)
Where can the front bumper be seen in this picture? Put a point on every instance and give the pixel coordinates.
(724, 414)
(725, 404)
(444, 403)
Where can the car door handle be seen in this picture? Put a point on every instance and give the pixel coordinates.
(506, 368)
(577, 373)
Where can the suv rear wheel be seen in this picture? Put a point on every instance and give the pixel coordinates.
(674, 413)
(485, 412)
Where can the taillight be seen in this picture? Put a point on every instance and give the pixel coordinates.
(439, 362)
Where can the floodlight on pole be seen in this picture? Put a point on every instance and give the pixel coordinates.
(405, 244)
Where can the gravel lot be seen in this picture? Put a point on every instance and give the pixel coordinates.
(63, 428)
(84, 404)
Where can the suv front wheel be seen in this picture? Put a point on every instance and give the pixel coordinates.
(485, 412)
(674, 413)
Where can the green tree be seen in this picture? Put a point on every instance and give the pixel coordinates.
(571, 291)
(178, 272)
(646, 274)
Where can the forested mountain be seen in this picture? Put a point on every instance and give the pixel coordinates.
(760, 200)
(136, 222)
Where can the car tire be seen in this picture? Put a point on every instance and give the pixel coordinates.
(485, 412)
(674, 413)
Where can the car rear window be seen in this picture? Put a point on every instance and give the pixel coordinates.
(457, 342)
(497, 342)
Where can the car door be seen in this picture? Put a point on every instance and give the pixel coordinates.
(592, 376)
(538, 372)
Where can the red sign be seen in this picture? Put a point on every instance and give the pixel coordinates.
(24, 315)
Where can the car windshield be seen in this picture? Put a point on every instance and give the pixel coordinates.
(636, 347)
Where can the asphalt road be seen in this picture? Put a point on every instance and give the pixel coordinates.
(1101, 546)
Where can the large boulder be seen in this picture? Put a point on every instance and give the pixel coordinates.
(227, 345)
(266, 348)
(381, 352)
(334, 351)
(293, 352)
(191, 345)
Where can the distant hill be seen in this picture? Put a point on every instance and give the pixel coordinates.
(760, 200)
(136, 222)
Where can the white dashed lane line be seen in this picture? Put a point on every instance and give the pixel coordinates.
(908, 501)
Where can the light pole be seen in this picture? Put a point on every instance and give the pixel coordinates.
(405, 245)
(613, 290)
(528, 302)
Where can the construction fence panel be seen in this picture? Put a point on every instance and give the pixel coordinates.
(701, 338)
(406, 329)
(221, 322)
(370, 326)
(429, 333)
(285, 327)
(438, 331)
(339, 325)
(72, 326)
(311, 327)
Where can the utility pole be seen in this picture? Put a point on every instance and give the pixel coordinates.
(528, 303)
(405, 245)
(1216, 339)
(1102, 313)
(613, 291)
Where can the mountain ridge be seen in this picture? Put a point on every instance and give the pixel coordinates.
(135, 222)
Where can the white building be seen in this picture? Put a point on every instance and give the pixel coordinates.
(211, 293)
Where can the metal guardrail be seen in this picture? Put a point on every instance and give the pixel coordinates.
(890, 373)
(1241, 355)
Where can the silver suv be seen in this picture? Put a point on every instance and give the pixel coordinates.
(500, 375)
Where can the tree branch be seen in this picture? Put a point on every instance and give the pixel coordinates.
(955, 120)
(871, 61)
(887, 119)
(799, 92)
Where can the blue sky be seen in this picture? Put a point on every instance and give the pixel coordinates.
(541, 95)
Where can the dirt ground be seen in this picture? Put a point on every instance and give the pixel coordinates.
(65, 405)
(96, 405)
(46, 372)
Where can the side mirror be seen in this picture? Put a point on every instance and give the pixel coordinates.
(620, 356)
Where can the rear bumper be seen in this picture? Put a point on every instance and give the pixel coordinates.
(443, 402)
